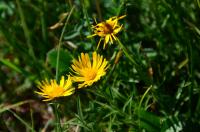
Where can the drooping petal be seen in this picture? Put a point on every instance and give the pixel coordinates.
(107, 30)
(106, 41)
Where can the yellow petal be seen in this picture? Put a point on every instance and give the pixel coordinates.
(90, 36)
(117, 30)
(68, 83)
(62, 81)
(106, 41)
(94, 55)
(121, 17)
(99, 43)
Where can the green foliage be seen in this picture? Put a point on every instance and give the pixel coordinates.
(64, 60)
(154, 86)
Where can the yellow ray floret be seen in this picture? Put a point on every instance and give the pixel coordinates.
(107, 30)
(52, 89)
(87, 72)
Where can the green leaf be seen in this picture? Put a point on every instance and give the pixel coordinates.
(13, 66)
(149, 121)
(3, 6)
(198, 2)
(64, 60)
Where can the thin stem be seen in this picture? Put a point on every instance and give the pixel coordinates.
(108, 77)
(32, 120)
(26, 30)
(191, 78)
(58, 125)
(198, 3)
(57, 117)
(43, 22)
(125, 52)
(144, 96)
(60, 41)
(22, 121)
(80, 113)
(87, 18)
(98, 9)
(121, 6)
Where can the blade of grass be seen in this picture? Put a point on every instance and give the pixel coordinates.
(106, 80)
(149, 88)
(32, 120)
(87, 19)
(140, 103)
(194, 27)
(57, 116)
(98, 9)
(80, 114)
(11, 65)
(46, 125)
(126, 53)
(121, 6)
(191, 66)
(198, 2)
(5, 108)
(128, 103)
(112, 119)
(22, 121)
(26, 30)
(43, 21)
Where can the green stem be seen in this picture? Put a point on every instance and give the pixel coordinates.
(32, 120)
(121, 6)
(26, 30)
(144, 96)
(28, 126)
(58, 124)
(60, 41)
(125, 52)
(87, 18)
(57, 117)
(80, 114)
(198, 3)
(192, 79)
(142, 101)
(43, 22)
(98, 9)
(108, 77)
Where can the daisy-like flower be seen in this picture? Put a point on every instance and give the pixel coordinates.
(52, 89)
(87, 72)
(107, 30)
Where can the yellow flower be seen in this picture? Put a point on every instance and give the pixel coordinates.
(51, 90)
(87, 72)
(107, 30)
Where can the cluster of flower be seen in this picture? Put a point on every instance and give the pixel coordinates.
(84, 71)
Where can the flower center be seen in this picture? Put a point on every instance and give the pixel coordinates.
(56, 92)
(91, 74)
(108, 29)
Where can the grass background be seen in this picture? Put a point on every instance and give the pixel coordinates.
(161, 93)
